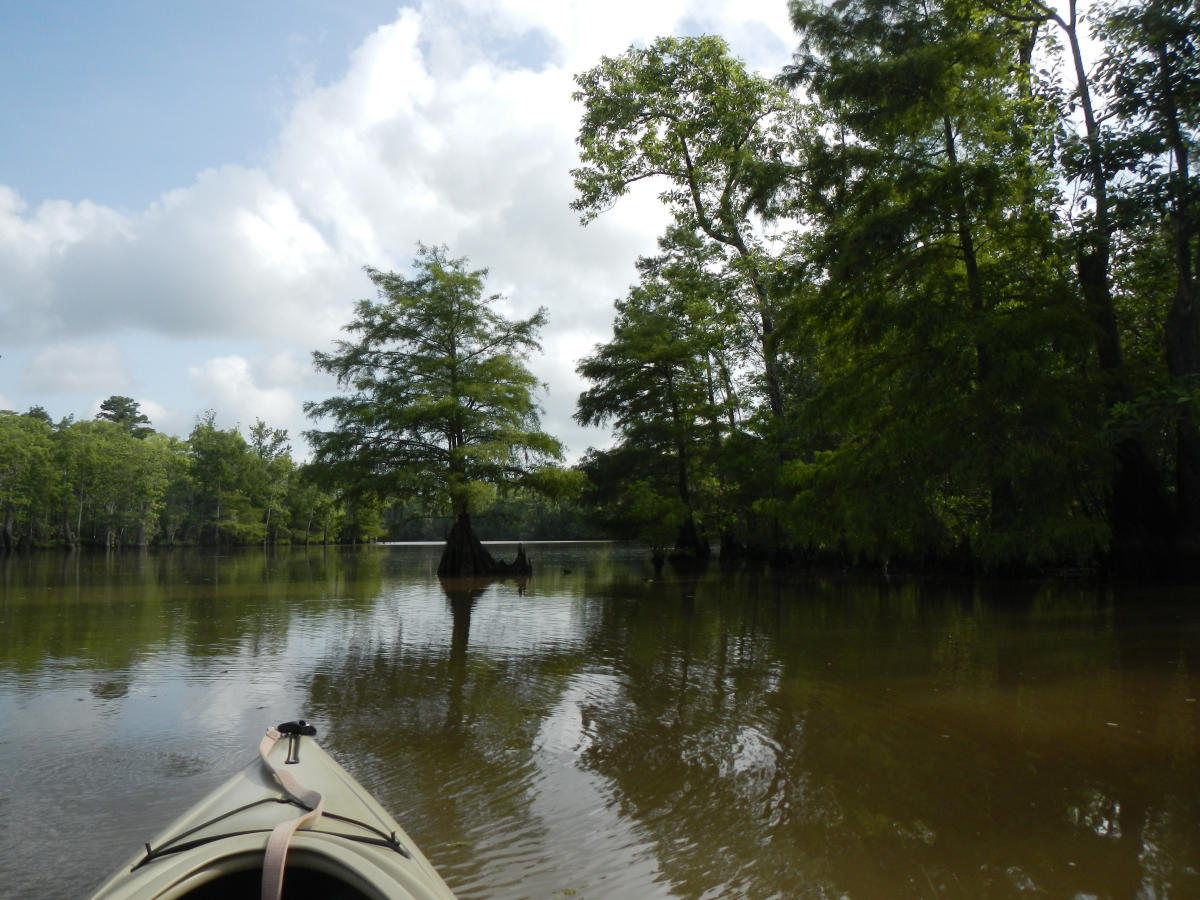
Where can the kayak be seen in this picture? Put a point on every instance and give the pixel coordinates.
(293, 825)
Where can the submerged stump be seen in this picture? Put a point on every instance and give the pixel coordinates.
(464, 555)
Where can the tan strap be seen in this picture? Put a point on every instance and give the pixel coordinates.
(277, 844)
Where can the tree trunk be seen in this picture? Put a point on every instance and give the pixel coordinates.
(1003, 494)
(1183, 320)
(1094, 247)
(143, 536)
(464, 555)
(1137, 489)
(690, 543)
(766, 320)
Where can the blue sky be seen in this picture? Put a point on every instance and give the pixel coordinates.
(117, 102)
(189, 190)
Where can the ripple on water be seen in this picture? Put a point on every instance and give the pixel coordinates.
(570, 824)
(506, 814)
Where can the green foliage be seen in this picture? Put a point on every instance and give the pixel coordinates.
(363, 520)
(684, 111)
(721, 142)
(550, 512)
(667, 382)
(950, 349)
(313, 511)
(438, 399)
(1150, 76)
(645, 508)
(952, 337)
(26, 474)
(219, 474)
(114, 482)
(98, 483)
(175, 509)
(126, 412)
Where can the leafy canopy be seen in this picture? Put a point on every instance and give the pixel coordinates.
(685, 112)
(438, 399)
(126, 412)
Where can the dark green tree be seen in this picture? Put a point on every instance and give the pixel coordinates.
(1150, 77)
(175, 511)
(85, 453)
(126, 412)
(955, 398)
(1085, 158)
(27, 476)
(437, 398)
(220, 467)
(270, 474)
(39, 412)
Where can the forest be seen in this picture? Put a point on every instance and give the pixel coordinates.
(115, 482)
(928, 301)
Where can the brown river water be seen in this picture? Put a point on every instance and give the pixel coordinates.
(602, 732)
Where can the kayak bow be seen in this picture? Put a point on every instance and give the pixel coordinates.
(293, 824)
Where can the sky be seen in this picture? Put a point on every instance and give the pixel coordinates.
(189, 191)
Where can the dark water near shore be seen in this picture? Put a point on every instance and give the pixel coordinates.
(598, 732)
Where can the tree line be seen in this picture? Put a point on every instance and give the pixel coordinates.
(114, 481)
(927, 298)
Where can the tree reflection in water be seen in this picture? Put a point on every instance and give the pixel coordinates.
(759, 737)
(449, 738)
(836, 746)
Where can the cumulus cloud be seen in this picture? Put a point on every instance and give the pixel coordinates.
(452, 124)
(240, 394)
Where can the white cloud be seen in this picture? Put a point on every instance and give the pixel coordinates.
(234, 389)
(33, 244)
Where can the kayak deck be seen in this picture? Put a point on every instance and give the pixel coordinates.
(354, 850)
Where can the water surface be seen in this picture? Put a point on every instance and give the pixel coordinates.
(598, 731)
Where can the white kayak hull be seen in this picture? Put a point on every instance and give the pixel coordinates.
(355, 849)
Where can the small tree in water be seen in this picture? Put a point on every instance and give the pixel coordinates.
(438, 399)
